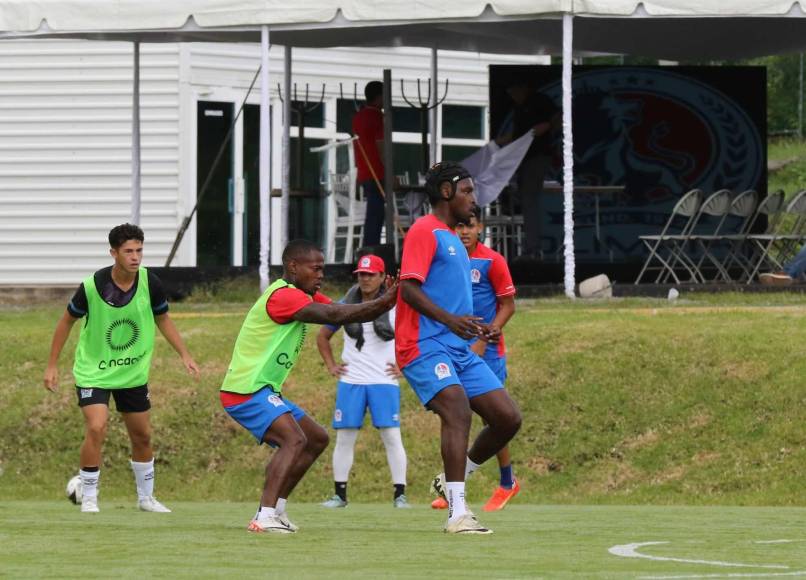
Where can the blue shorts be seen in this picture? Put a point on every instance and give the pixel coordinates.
(352, 402)
(258, 413)
(439, 366)
(498, 365)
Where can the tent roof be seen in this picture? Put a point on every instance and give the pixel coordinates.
(676, 29)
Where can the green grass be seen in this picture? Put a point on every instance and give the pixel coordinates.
(633, 401)
(208, 539)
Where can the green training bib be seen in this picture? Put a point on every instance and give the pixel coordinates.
(265, 352)
(116, 343)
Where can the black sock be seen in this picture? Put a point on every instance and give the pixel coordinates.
(341, 490)
(400, 489)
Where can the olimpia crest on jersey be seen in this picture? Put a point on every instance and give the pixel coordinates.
(116, 343)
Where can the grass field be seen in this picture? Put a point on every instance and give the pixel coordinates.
(208, 539)
(690, 411)
(629, 401)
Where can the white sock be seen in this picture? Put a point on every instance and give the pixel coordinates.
(89, 482)
(456, 499)
(266, 512)
(470, 467)
(144, 478)
(343, 453)
(395, 454)
(280, 507)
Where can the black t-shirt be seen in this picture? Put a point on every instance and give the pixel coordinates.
(537, 108)
(114, 296)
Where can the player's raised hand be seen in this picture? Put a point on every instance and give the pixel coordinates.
(465, 326)
(391, 286)
(337, 370)
(51, 378)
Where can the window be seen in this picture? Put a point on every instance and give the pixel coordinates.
(463, 122)
(313, 118)
(457, 152)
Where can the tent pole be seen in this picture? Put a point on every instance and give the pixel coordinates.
(568, 157)
(264, 159)
(285, 199)
(135, 217)
(435, 97)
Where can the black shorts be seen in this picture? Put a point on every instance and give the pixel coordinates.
(133, 400)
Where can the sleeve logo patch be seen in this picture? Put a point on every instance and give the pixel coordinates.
(442, 370)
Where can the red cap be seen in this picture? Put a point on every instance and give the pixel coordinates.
(371, 264)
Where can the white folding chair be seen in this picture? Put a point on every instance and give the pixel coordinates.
(685, 209)
(350, 214)
(743, 252)
(774, 249)
(714, 210)
(745, 208)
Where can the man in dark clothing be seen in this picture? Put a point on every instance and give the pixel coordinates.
(368, 127)
(532, 111)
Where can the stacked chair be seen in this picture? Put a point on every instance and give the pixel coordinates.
(693, 247)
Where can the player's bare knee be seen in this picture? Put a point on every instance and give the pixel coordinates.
(318, 442)
(96, 430)
(140, 439)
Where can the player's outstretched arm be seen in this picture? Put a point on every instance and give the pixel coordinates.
(325, 350)
(463, 326)
(171, 334)
(60, 335)
(339, 314)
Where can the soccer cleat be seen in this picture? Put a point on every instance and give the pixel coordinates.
(89, 505)
(466, 524)
(439, 504)
(500, 497)
(438, 486)
(401, 502)
(150, 504)
(283, 517)
(269, 524)
(335, 502)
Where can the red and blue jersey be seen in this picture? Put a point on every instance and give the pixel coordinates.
(434, 255)
(491, 280)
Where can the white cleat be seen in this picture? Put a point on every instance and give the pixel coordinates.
(150, 504)
(283, 517)
(466, 524)
(269, 524)
(89, 505)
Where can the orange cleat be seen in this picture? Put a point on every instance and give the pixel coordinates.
(439, 504)
(501, 497)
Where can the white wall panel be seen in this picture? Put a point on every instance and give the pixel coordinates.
(65, 155)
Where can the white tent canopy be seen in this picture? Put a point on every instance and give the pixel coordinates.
(674, 29)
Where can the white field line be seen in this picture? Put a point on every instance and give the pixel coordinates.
(778, 541)
(731, 575)
(631, 551)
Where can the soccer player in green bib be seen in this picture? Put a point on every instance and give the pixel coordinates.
(123, 304)
(268, 345)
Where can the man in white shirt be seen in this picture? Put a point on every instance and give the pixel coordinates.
(367, 379)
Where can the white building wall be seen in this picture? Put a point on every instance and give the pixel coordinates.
(65, 155)
(65, 136)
